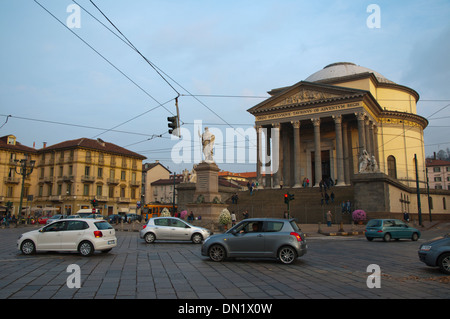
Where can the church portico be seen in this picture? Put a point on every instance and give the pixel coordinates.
(314, 148)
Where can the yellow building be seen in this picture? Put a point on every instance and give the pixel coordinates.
(12, 151)
(352, 127)
(73, 173)
(321, 127)
(67, 176)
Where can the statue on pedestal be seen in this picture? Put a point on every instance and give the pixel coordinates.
(208, 145)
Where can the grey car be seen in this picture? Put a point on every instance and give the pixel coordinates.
(172, 228)
(258, 238)
(436, 253)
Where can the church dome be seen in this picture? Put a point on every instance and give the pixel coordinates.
(342, 69)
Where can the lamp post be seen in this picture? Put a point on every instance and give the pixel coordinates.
(25, 168)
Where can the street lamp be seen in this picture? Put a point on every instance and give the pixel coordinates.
(25, 168)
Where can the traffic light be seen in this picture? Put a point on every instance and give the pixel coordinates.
(291, 197)
(286, 198)
(173, 123)
(94, 203)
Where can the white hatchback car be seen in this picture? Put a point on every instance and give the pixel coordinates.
(78, 235)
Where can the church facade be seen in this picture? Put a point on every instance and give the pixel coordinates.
(352, 127)
(321, 127)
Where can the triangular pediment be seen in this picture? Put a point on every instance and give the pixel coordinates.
(305, 93)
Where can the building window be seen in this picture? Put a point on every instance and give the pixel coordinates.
(111, 192)
(86, 189)
(122, 192)
(392, 167)
(87, 170)
(100, 172)
(99, 190)
(437, 179)
(436, 169)
(444, 204)
(123, 175)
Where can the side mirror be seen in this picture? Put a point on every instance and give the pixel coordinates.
(233, 232)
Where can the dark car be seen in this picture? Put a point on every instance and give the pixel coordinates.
(436, 253)
(258, 238)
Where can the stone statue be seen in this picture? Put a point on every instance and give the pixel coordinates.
(185, 175)
(208, 145)
(193, 175)
(367, 163)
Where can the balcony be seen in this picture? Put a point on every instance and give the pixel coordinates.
(11, 180)
(123, 200)
(55, 198)
(87, 179)
(135, 183)
(113, 181)
(102, 198)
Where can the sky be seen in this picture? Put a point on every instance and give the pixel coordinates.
(73, 78)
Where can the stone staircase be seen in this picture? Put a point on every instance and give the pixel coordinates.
(306, 206)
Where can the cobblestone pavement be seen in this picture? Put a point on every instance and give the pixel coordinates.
(334, 267)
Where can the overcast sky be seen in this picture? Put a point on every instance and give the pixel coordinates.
(57, 86)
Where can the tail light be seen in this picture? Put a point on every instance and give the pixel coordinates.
(296, 235)
(143, 227)
(98, 234)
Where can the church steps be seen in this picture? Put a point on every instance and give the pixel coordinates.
(306, 206)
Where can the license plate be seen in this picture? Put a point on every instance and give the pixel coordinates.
(111, 242)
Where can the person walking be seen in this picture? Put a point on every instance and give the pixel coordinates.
(233, 218)
(329, 216)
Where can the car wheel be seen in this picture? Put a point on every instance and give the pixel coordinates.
(149, 238)
(415, 237)
(28, 247)
(444, 263)
(86, 248)
(287, 255)
(217, 253)
(387, 237)
(197, 238)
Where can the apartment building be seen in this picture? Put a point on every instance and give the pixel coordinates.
(67, 176)
(11, 153)
(73, 173)
(438, 173)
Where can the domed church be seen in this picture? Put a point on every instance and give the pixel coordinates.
(345, 124)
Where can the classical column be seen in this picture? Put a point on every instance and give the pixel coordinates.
(368, 137)
(317, 152)
(297, 177)
(346, 153)
(339, 150)
(277, 159)
(361, 132)
(258, 153)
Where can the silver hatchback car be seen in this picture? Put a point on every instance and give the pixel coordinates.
(259, 238)
(172, 228)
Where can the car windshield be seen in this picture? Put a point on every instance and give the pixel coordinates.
(374, 223)
(103, 225)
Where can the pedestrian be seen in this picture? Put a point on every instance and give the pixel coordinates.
(245, 214)
(406, 216)
(329, 216)
(348, 206)
(281, 184)
(332, 197)
(327, 198)
(233, 218)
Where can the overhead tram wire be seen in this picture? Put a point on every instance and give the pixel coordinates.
(108, 61)
(152, 64)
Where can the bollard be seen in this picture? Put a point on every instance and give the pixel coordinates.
(341, 227)
(319, 230)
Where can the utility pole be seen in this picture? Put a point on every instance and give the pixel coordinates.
(25, 168)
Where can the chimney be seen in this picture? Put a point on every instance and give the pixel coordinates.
(434, 157)
(45, 145)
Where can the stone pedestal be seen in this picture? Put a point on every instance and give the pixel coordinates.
(207, 185)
